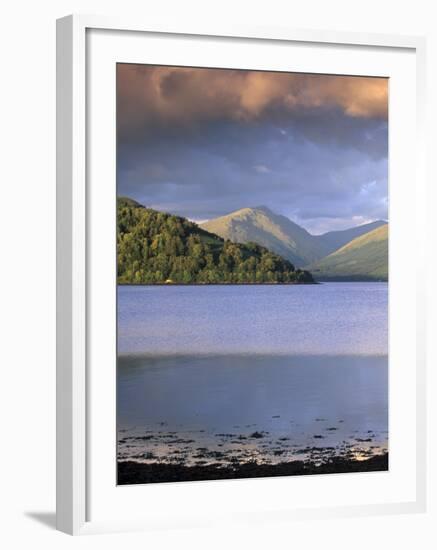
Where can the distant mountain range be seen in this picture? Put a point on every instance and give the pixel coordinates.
(367, 259)
(336, 239)
(251, 245)
(363, 258)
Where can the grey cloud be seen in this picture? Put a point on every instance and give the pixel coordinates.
(198, 144)
(303, 179)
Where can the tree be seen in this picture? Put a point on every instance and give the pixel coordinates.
(153, 247)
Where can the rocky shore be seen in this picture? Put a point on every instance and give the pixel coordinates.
(131, 472)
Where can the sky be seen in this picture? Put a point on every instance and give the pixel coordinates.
(201, 143)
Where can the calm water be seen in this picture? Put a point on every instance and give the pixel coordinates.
(236, 373)
(333, 318)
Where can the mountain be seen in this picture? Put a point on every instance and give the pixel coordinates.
(336, 239)
(275, 232)
(363, 258)
(155, 248)
(281, 235)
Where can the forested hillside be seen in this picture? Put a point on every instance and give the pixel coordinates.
(154, 248)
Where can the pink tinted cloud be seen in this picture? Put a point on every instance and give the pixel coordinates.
(178, 96)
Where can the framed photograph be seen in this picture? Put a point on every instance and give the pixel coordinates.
(240, 275)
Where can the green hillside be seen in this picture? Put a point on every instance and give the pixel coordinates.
(281, 235)
(154, 248)
(364, 258)
(275, 232)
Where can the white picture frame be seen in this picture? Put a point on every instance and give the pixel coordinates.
(74, 464)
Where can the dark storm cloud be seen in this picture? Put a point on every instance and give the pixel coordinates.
(203, 143)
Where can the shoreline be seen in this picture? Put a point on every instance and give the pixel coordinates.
(130, 472)
(219, 284)
(315, 282)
